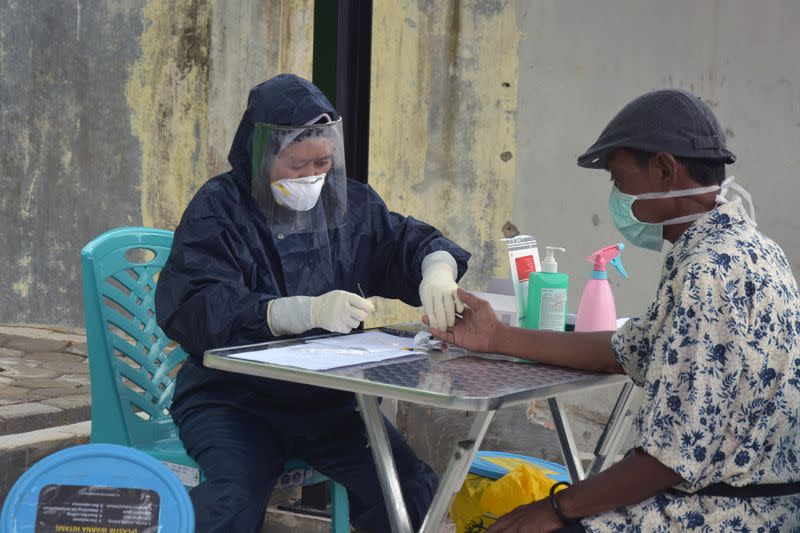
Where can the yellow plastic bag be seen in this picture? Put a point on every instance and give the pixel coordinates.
(481, 501)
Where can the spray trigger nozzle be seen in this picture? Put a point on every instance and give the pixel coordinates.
(617, 262)
(608, 255)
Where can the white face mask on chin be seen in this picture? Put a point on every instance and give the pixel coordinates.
(298, 194)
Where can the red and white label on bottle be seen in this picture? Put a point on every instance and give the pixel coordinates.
(525, 266)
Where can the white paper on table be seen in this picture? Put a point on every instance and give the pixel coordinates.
(370, 341)
(315, 356)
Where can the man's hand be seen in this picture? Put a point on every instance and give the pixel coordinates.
(536, 517)
(634, 479)
(475, 330)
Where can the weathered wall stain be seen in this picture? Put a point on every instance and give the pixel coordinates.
(168, 97)
(251, 42)
(67, 164)
(443, 110)
(106, 114)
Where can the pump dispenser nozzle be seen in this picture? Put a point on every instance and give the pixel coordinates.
(549, 264)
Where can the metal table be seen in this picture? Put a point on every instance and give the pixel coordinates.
(463, 381)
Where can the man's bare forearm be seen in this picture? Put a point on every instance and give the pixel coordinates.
(635, 478)
(583, 350)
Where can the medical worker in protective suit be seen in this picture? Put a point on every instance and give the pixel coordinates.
(282, 245)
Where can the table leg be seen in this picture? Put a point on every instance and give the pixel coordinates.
(456, 471)
(567, 440)
(384, 461)
(615, 430)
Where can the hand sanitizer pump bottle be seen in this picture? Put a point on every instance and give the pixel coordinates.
(596, 310)
(547, 295)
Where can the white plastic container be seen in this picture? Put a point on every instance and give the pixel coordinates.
(523, 258)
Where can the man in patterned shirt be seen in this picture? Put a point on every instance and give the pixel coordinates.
(716, 354)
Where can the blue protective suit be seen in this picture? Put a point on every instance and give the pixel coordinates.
(225, 266)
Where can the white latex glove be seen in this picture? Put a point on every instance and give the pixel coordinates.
(336, 311)
(339, 311)
(439, 290)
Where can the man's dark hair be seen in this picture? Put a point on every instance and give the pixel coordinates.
(704, 171)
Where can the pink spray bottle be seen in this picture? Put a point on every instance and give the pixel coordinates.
(596, 311)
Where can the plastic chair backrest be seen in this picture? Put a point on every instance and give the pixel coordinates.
(132, 364)
(89, 487)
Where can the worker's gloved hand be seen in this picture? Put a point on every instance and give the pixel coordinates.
(337, 311)
(439, 290)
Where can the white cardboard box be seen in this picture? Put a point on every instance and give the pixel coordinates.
(505, 306)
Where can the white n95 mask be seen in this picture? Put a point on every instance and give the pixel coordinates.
(298, 194)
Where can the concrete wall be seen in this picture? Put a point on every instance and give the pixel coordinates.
(446, 97)
(69, 163)
(442, 147)
(442, 126)
(113, 113)
(580, 62)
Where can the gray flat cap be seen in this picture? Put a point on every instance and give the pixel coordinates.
(668, 120)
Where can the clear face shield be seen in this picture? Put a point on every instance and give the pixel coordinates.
(299, 177)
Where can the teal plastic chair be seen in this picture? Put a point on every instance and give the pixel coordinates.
(132, 364)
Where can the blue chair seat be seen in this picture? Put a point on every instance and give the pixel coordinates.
(495, 465)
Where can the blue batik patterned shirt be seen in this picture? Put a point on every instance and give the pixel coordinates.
(718, 360)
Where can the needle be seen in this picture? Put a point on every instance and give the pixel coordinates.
(362, 295)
